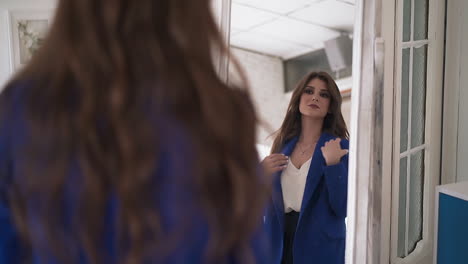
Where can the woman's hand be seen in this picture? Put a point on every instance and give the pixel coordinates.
(274, 163)
(332, 152)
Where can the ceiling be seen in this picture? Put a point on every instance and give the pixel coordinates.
(288, 28)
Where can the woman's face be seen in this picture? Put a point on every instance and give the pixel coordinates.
(315, 99)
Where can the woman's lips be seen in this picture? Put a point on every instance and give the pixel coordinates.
(314, 106)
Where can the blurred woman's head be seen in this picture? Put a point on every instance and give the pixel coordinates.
(107, 70)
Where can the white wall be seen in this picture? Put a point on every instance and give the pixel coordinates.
(455, 119)
(266, 78)
(5, 7)
(346, 110)
(462, 155)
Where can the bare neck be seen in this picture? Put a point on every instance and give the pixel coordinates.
(311, 130)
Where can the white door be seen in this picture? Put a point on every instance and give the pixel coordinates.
(417, 123)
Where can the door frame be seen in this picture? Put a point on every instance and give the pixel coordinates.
(222, 14)
(364, 236)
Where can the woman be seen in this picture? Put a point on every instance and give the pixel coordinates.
(118, 143)
(306, 222)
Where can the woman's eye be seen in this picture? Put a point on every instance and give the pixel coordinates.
(325, 95)
(308, 91)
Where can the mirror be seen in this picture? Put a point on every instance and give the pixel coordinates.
(277, 43)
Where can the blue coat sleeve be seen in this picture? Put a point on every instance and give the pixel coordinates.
(9, 241)
(336, 179)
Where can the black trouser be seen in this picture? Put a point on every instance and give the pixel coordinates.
(290, 223)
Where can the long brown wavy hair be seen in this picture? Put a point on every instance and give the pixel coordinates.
(333, 123)
(96, 90)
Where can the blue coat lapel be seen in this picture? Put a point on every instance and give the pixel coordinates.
(315, 171)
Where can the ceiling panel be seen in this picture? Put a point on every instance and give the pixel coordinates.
(235, 31)
(296, 31)
(244, 18)
(276, 6)
(268, 45)
(330, 13)
(288, 28)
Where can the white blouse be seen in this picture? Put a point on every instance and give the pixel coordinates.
(293, 181)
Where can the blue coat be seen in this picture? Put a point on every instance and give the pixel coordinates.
(175, 200)
(320, 234)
